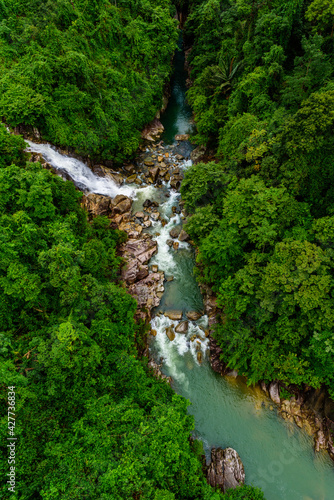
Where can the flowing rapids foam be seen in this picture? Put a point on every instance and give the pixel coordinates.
(170, 352)
(82, 176)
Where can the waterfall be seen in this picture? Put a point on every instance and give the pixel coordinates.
(81, 174)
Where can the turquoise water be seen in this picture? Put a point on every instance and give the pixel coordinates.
(277, 455)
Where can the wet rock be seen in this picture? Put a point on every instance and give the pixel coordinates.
(182, 327)
(121, 204)
(154, 173)
(160, 158)
(134, 271)
(174, 232)
(274, 392)
(179, 157)
(149, 162)
(198, 154)
(141, 249)
(176, 245)
(131, 179)
(157, 372)
(199, 357)
(139, 215)
(147, 223)
(116, 178)
(174, 315)
(130, 169)
(170, 243)
(182, 137)
(170, 333)
(320, 441)
(145, 292)
(150, 203)
(193, 315)
(226, 469)
(97, 204)
(183, 236)
(153, 333)
(170, 278)
(154, 268)
(153, 130)
(155, 216)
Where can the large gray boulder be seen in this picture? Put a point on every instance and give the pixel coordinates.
(226, 469)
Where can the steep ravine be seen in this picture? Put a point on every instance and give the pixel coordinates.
(277, 455)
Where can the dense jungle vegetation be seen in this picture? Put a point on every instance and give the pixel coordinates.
(92, 421)
(88, 74)
(263, 210)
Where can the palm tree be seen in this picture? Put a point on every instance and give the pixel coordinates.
(221, 76)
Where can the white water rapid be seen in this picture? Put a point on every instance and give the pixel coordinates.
(80, 173)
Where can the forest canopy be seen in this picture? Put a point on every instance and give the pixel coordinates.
(87, 74)
(263, 210)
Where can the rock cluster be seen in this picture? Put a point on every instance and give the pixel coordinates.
(310, 409)
(226, 469)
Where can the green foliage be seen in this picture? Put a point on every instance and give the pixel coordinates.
(264, 230)
(89, 75)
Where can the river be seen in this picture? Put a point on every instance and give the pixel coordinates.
(277, 455)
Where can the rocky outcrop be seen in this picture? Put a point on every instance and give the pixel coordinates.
(157, 371)
(140, 249)
(153, 130)
(97, 204)
(198, 154)
(148, 293)
(225, 470)
(310, 409)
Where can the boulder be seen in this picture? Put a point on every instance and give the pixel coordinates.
(153, 130)
(182, 137)
(130, 169)
(97, 204)
(183, 236)
(121, 204)
(170, 333)
(175, 181)
(155, 216)
(154, 173)
(150, 203)
(182, 327)
(131, 179)
(169, 243)
(174, 232)
(198, 154)
(274, 392)
(176, 245)
(141, 249)
(225, 470)
(145, 291)
(174, 315)
(134, 271)
(193, 315)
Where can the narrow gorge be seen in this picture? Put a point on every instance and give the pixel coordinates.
(277, 456)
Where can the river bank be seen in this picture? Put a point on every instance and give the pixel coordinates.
(277, 456)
